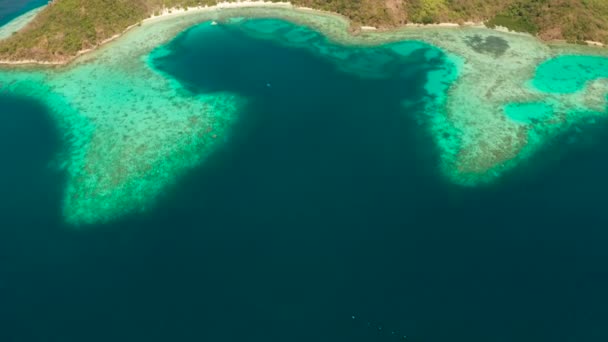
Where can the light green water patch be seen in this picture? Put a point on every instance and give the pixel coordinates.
(529, 113)
(568, 74)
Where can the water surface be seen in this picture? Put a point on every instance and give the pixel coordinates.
(325, 202)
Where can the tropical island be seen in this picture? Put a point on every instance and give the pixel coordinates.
(492, 97)
(66, 27)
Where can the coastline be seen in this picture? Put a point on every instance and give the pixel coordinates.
(175, 12)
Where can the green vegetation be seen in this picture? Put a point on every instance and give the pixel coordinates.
(426, 11)
(513, 23)
(68, 26)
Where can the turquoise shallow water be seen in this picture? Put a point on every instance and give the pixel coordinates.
(324, 202)
(570, 73)
(572, 89)
(529, 112)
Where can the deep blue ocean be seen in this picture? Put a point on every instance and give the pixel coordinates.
(10, 9)
(325, 204)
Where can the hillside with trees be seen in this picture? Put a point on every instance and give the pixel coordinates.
(68, 26)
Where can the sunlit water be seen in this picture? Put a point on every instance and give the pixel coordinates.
(324, 203)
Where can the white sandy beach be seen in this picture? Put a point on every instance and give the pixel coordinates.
(176, 11)
(593, 43)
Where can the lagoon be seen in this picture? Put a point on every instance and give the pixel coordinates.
(281, 212)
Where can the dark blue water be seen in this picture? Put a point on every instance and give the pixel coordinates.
(325, 203)
(11, 9)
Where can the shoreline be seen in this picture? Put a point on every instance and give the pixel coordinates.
(175, 12)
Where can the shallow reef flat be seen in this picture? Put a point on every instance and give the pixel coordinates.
(129, 132)
(494, 99)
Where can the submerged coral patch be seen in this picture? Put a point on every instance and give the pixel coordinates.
(492, 45)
